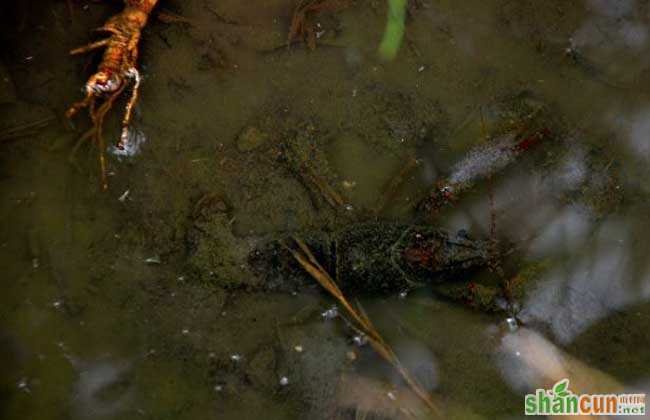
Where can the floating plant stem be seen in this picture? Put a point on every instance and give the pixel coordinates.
(394, 32)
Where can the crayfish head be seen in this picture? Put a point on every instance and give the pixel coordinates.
(439, 251)
(103, 82)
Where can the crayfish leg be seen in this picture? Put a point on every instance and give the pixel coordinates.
(111, 27)
(88, 100)
(126, 121)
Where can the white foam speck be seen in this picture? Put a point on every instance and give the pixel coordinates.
(132, 146)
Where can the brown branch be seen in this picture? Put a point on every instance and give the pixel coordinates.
(308, 261)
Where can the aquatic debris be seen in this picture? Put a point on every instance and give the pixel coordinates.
(220, 17)
(284, 381)
(331, 313)
(166, 16)
(302, 152)
(512, 324)
(359, 320)
(236, 357)
(360, 340)
(24, 130)
(302, 27)
(23, 385)
(328, 193)
(298, 348)
(124, 195)
(155, 260)
(348, 185)
(116, 71)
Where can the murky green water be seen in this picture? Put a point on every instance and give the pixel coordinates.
(141, 302)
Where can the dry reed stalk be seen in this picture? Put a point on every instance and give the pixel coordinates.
(363, 323)
(330, 195)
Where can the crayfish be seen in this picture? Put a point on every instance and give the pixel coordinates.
(115, 73)
(391, 257)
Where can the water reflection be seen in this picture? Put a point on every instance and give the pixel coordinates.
(529, 361)
(587, 288)
(103, 388)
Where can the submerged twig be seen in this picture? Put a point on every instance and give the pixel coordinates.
(220, 17)
(23, 130)
(361, 320)
(329, 194)
(166, 16)
(395, 183)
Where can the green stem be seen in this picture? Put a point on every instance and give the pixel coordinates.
(394, 32)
